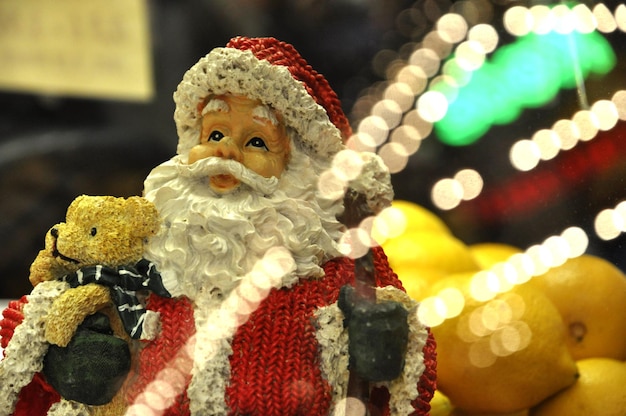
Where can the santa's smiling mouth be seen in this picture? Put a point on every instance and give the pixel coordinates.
(223, 181)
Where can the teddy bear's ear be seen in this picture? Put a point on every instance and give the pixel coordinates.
(74, 206)
(144, 216)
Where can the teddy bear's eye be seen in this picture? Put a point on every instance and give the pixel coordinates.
(93, 231)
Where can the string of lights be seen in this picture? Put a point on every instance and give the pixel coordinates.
(399, 122)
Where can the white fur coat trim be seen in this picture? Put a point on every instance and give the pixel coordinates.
(333, 341)
(27, 348)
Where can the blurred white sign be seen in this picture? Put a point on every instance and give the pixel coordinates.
(94, 48)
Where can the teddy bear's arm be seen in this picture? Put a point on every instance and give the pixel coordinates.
(43, 268)
(71, 308)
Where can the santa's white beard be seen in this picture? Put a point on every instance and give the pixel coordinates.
(209, 241)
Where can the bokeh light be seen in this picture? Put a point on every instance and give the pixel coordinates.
(577, 240)
(471, 182)
(587, 124)
(395, 156)
(486, 35)
(454, 301)
(447, 193)
(221, 324)
(375, 127)
(452, 27)
(401, 94)
(347, 165)
(527, 73)
(432, 106)
(427, 60)
(543, 19)
(355, 243)
(435, 43)
(332, 184)
(619, 99)
(547, 142)
(605, 114)
(350, 406)
(609, 224)
(605, 20)
(432, 311)
(583, 18)
(470, 55)
(518, 21)
(484, 285)
(408, 137)
(389, 111)
(564, 19)
(414, 77)
(389, 223)
(525, 155)
(620, 17)
(480, 354)
(568, 133)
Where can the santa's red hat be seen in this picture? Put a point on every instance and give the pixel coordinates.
(274, 73)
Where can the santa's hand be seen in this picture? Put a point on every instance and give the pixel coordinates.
(378, 335)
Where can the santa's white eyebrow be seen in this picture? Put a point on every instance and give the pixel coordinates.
(215, 105)
(265, 114)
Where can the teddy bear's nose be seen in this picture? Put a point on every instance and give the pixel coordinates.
(54, 232)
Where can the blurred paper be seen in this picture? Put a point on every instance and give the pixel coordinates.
(94, 48)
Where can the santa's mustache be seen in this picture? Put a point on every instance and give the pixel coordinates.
(204, 168)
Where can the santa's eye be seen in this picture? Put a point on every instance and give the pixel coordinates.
(257, 142)
(93, 231)
(215, 136)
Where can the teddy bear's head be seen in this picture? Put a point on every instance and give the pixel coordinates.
(98, 230)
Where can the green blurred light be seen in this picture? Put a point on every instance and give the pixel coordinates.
(525, 74)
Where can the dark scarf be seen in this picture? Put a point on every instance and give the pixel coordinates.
(124, 282)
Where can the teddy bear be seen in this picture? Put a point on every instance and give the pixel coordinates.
(87, 281)
(101, 236)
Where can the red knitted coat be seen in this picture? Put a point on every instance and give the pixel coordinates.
(275, 367)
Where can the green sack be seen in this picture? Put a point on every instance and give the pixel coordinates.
(93, 366)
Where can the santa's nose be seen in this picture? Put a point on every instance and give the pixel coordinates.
(227, 148)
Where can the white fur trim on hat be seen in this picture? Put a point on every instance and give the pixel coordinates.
(229, 70)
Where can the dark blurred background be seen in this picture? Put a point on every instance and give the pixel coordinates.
(54, 148)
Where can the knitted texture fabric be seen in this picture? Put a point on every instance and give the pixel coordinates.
(177, 326)
(12, 317)
(284, 54)
(37, 397)
(275, 368)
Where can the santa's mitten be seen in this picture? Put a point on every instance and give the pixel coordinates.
(93, 366)
(378, 335)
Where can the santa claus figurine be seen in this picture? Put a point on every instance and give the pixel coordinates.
(269, 315)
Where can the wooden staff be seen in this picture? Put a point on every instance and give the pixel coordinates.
(356, 210)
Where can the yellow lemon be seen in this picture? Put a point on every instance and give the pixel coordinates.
(417, 281)
(590, 294)
(488, 254)
(599, 391)
(502, 355)
(419, 218)
(459, 412)
(430, 250)
(440, 405)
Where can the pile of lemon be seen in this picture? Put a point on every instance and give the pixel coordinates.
(552, 346)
